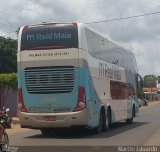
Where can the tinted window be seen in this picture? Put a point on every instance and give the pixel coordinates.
(119, 90)
(102, 48)
(49, 36)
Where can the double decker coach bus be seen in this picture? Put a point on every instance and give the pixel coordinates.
(70, 75)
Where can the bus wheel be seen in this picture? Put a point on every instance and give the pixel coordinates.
(108, 119)
(105, 121)
(98, 129)
(130, 120)
(46, 131)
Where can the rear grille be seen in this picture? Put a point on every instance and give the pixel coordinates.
(52, 79)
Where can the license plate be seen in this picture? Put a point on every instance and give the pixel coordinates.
(49, 118)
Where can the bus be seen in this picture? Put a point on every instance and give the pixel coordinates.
(70, 75)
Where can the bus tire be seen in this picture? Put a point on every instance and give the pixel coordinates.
(46, 131)
(98, 129)
(130, 120)
(108, 120)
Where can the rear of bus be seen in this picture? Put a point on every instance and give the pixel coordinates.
(50, 94)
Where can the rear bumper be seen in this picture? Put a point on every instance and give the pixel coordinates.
(63, 120)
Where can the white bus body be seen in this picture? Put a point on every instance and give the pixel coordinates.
(70, 75)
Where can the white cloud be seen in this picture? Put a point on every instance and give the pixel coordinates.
(141, 35)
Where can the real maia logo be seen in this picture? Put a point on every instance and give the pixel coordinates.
(111, 72)
(50, 36)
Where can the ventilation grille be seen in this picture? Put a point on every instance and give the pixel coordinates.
(52, 79)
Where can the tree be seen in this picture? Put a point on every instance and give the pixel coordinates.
(158, 79)
(8, 51)
(150, 81)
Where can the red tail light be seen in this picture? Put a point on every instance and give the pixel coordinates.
(81, 102)
(21, 105)
(74, 24)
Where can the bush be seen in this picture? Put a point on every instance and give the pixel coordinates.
(7, 82)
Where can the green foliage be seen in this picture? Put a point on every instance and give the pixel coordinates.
(7, 82)
(140, 85)
(140, 91)
(150, 81)
(8, 51)
(158, 79)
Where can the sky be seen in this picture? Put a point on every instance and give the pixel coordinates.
(139, 35)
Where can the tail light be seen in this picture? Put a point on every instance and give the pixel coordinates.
(81, 102)
(74, 24)
(21, 105)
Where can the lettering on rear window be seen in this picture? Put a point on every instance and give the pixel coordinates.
(51, 36)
